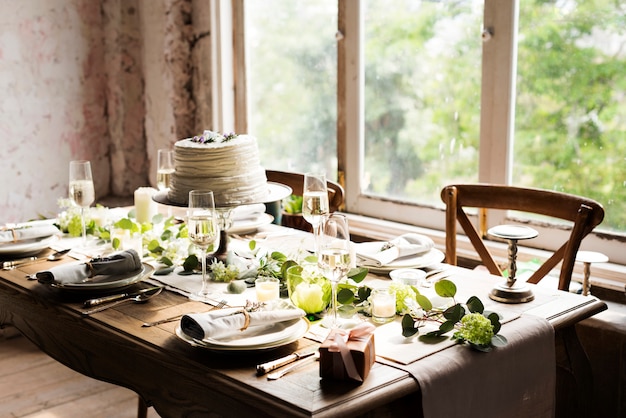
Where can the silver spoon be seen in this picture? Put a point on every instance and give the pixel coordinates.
(142, 298)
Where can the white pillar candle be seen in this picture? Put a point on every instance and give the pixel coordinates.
(145, 207)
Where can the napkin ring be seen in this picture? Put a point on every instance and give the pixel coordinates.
(14, 234)
(387, 246)
(246, 323)
(92, 271)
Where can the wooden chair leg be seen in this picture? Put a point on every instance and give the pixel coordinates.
(142, 408)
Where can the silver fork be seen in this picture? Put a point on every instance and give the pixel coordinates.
(219, 305)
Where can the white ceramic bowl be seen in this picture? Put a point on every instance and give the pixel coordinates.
(412, 277)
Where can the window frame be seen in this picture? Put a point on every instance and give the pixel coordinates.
(496, 130)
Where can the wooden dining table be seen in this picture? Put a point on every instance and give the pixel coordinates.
(179, 380)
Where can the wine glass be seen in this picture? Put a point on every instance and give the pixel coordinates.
(315, 203)
(82, 191)
(334, 256)
(165, 168)
(203, 231)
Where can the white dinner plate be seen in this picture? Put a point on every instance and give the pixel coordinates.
(433, 256)
(246, 226)
(27, 247)
(109, 282)
(253, 338)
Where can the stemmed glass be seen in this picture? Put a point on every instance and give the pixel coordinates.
(165, 168)
(203, 230)
(82, 191)
(334, 256)
(315, 203)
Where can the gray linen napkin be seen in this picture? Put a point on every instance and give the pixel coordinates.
(119, 263)
(230, 321)
(29, 232)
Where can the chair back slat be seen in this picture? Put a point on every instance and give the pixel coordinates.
(585, 214)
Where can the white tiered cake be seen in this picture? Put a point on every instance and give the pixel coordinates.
(229, 165)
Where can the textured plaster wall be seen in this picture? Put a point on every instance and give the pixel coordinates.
(52, 109)
(110, 81)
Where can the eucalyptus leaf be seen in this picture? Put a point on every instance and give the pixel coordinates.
(166, 261)
(116, 243)
(454, 313)
(166, 235)
(157, 219)
(190, 263)
(447, 326)
(475, 305)
(164, 271)
(445, 288)
(495, 322)
(358, 274)
(424, 302)
(499, 340)
(345, 296)
(483, 348)
(364, 293)
(408, 326)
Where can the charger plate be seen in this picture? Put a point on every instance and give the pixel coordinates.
(433, 256)
(259, 337)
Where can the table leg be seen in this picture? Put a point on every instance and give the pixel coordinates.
(574, 391)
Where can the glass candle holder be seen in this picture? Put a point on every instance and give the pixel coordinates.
(383, 303)
(307, 291)
(267, 289)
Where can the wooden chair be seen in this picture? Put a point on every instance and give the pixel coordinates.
(296, 182)
(585, 214)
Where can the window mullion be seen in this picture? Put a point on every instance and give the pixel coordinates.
(350, 105)
(498, 91)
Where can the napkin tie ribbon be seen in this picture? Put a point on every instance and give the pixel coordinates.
(361, 332)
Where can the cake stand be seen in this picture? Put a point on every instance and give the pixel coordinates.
(275, 192)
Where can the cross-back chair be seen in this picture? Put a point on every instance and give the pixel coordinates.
(296, 182)
(585, 214)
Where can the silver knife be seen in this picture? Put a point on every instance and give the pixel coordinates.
(264, 368)
(99, 301)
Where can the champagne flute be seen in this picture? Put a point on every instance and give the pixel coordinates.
(165, 168)
(334, 256)
(315, 205)
(203, 230)
(82, 191)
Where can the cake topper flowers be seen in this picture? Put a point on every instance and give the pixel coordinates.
(209, 137)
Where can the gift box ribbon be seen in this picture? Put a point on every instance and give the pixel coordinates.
(361, 332)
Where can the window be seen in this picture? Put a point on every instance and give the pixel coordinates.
(291, 63)
(435, 92)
